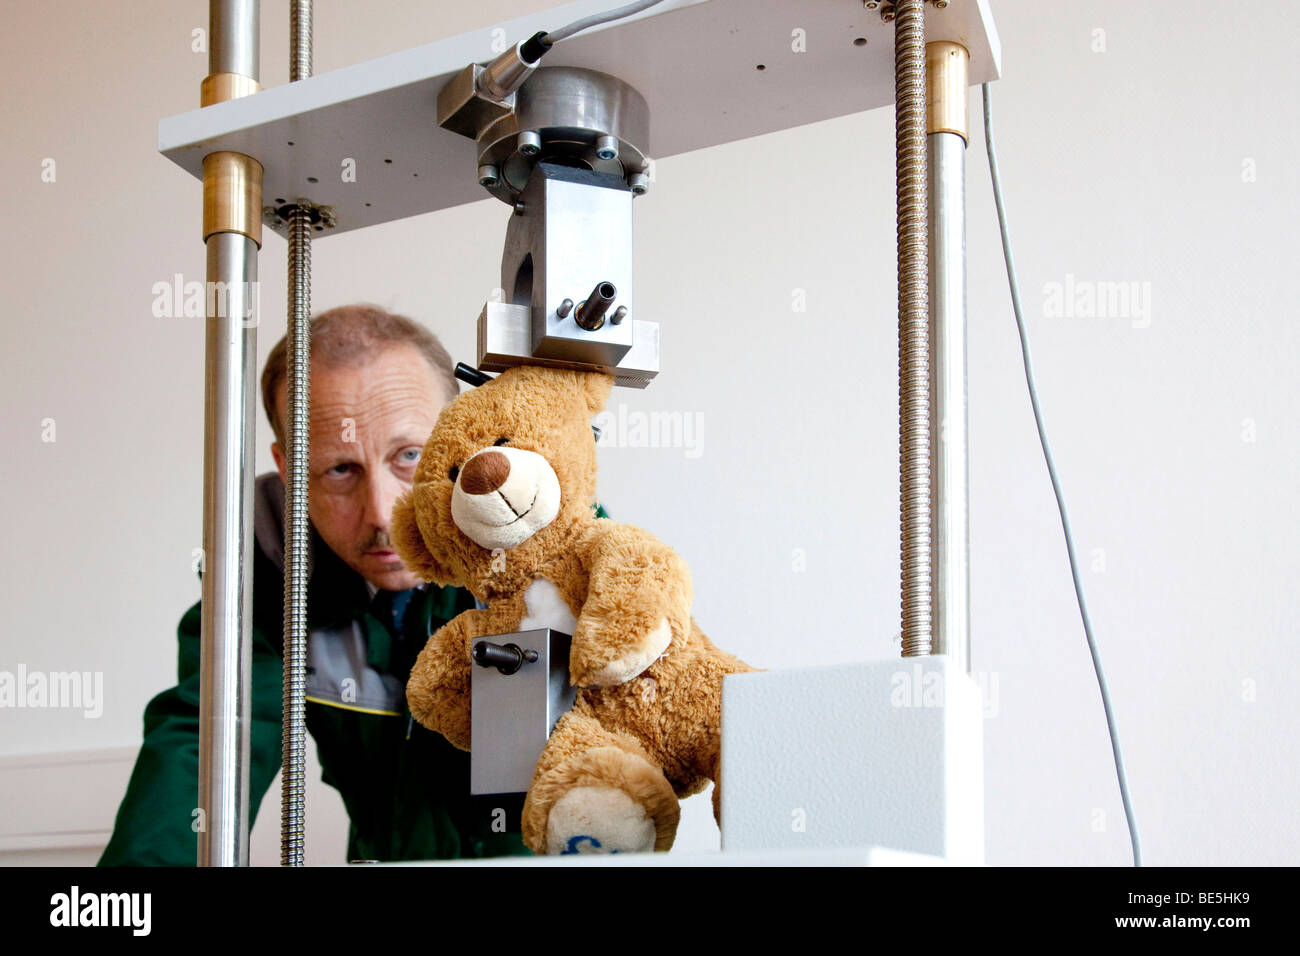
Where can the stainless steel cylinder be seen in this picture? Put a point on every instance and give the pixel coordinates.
(228, 462)
(950, 473)
(233, 44)
(226, 634)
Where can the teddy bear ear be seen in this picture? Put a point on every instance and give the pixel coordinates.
(596, 387)
(409, 541)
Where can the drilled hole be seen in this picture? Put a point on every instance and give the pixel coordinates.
(860, 41)
(389, 161)
(312, 179)
(761, 66)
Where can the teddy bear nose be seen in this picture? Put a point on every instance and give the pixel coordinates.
(485, 473)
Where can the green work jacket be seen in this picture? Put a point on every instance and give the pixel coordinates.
(406, 789)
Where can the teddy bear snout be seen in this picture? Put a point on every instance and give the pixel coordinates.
(502, 496)
(485, 473)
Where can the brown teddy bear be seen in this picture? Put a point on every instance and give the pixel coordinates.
(502, 504)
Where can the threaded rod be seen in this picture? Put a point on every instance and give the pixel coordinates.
(913, 325)
(293, 781)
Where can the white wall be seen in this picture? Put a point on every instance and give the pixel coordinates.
(1122, 165)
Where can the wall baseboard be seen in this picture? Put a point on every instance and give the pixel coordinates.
(57, 808)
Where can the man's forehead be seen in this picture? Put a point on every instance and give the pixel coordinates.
(394, 382)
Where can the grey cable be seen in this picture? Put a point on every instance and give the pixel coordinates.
(577, 26)
(1056, 482)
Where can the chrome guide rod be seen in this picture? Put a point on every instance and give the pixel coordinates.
(913, 325)
(947, 77)
(293, 780)
(232, 186)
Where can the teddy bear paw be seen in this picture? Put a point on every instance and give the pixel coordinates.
(598, 820)
(635, 662)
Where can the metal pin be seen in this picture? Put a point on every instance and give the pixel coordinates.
(591, 313)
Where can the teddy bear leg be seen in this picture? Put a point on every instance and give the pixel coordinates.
(597, 792)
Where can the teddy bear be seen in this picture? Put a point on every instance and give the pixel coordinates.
(502, 503)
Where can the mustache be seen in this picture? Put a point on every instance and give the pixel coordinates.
(379, 541)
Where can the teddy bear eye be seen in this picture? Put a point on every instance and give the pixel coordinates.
(501, 441)
(452, 473)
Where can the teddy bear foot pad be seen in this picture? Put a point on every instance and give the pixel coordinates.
(598, 820)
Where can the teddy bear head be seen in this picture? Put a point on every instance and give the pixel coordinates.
(510, 469)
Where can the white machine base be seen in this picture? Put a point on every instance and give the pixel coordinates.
(884, 754)
(836, 856)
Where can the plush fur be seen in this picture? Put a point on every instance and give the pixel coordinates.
(644, 730)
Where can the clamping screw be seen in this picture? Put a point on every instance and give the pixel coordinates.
(530, 144)
(607, 147)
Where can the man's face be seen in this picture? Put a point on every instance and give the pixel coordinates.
(369, 423)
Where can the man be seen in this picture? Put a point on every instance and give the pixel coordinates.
(378, 382)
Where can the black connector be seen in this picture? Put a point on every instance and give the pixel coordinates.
(506, 658)
(534, 48)
(471, 375)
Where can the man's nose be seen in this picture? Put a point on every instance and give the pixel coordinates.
(484, 473)
(382, 491)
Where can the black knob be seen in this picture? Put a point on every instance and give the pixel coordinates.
(507, 658)
(468, 373)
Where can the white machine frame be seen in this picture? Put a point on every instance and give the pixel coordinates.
(712, 72)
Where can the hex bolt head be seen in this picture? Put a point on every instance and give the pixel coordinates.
(607, 147)
(530, 144)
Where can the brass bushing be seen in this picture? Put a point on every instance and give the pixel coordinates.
(219, 87)
(947, 88)
(232, 195)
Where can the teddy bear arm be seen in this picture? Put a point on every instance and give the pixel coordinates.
(438, 692)
(638, 600)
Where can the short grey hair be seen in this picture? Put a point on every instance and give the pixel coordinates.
(348, 335)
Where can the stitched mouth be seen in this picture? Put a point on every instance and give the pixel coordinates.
(519, 515)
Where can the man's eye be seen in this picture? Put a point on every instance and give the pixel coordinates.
(411, 456)
(339, 471)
